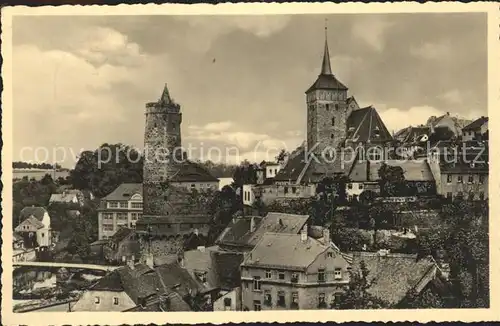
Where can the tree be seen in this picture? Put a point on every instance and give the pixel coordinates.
(392, 180)
(357, 295)
(282, 156)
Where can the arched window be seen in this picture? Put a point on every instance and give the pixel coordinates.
(333, 121)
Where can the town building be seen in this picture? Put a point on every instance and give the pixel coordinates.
(34, 227)
(171, 210)
(476, 130)
(293, 271)
(365, 176)
(392, 276)
(122, 246)
(218, 270)
(139, 287)
(243, 233)
(461, 171)
(122, 207)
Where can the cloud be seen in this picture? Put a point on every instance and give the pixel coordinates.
(396, 118)
(453, 96)
(431, 51)
(206, 29)
(371, 30)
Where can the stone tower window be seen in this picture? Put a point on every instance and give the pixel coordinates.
(333, 121)
(336, 106)
(332, 136)
(328, 107)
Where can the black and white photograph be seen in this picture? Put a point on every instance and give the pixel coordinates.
(327, 162)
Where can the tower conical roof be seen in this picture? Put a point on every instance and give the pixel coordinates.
(326, 79)
(165, 96)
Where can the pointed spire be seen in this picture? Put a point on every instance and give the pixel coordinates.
(165, 96)
(326, 69)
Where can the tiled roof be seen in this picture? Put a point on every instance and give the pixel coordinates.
(222, 267)
(121, 234)
(326, 82)
(477, 124)
(192, 172)
(238, 231)
(110, 282)
(35, 211)
(278, 249)
(415, 170)
(293, 167)
(125, 191)
(179, 280)
(31, 221)
(364, 124)
(393, 275)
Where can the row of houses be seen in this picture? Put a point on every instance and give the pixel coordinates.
(447, 168)
(276, 262)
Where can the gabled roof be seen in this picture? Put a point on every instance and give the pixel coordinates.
(192, 172)
(30, 221)
(121, 234)
(63, 198)
(284, 250)
(238, 231)
(293, 167)
(125, 191)
(35, 211)
(392, 276)
(364, 124)
(476, 124)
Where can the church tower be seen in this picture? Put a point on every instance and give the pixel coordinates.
(327, 110)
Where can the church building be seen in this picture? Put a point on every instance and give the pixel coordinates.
(339, 132)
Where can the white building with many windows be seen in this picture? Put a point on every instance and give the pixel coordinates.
(122, 207)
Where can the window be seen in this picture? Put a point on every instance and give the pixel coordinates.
(448, 178)
(349, 186)
(281, 275)
(460, 195)
(321, 301)
(137, 205)
(108, 216)
(332, 136)
(97, 300)
(295, 300)
(481, 178)
(113, 204)
(449, 195)
(481, 195)
(256, 305)
(333, 121)
(286, 190)
(256, 283)
(328, 107)
(268, 274)
(115, 301)
(268, 298)
(471, 179)
(329, 254)
(121, 216)
(336, 106)
(295, 278)
(43, 235)
(227, 302)
(338, 273)
(294, 189)
(360, 186)
(281, 299)
(107, 227)
(460, 179)
(201, 276)
(321, 275)
(471, 196)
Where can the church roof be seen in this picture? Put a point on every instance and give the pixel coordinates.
(192, 172)
(365, 125)
(326, 79)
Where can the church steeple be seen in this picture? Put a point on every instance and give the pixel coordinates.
(326, 68)
(165, 96)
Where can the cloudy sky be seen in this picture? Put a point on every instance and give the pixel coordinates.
(83, 81)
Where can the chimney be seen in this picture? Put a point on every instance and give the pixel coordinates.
(303, 234)
(447, 113)
(252, 224)
(326, 236)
